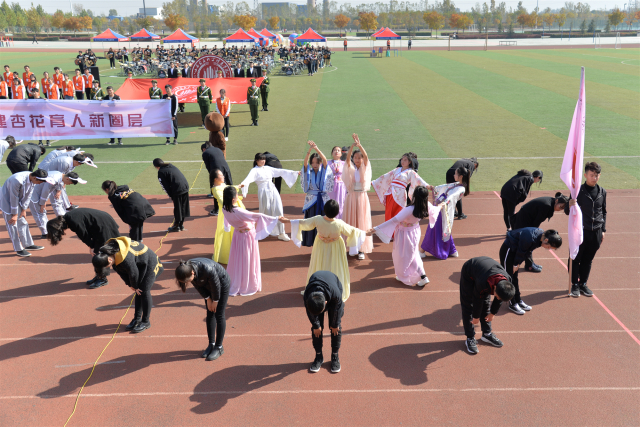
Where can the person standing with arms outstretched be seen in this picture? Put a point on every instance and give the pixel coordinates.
(323, 294)
(592, 200)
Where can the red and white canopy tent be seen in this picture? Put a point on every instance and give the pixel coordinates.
(310, 36)
(241, 36)
(386, 34)
(109, 35)
(262, 39)
(179, 36)
(272, 36)
(144, 35)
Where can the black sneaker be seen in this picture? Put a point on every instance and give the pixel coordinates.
(89, 282)
(182, 228)
(23, 253)
(141, 326)
(173, 229)
(461, 216)
(575, 290)
(215, 353)
(120, 143)
(317, 363)
(168, 142)
(535, 268)
(112, 142)
(210, 196)
(213, 213)
(44, 236)
(472, 345)
(72, 207)
(491, 339)
(133, 323)
(98, 283)
(335, 363)
(39, 248)
(584, 290)
(516, 308)
(207, 351)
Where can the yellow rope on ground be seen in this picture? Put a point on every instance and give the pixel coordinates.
(75, 406)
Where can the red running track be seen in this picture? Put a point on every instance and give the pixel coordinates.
(403, 355)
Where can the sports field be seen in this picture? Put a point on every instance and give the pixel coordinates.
(510, 108)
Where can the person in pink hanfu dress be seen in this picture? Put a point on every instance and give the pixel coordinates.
(406, 226)
(438, 240)
(357, 180)
(339, 192)
(244, 255)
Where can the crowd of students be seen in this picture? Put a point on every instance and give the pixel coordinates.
(337, 223)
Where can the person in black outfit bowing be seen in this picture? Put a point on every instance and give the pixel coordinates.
(212, 282)
(592, 200)
(132, 208)
(138, 267)
(323, 294)
(93, 228)
(515, 191)
(176, 186)
(480, 278)
(213, 159)
(24, 157)
(469, 164)
(533, 214)
(517, 247)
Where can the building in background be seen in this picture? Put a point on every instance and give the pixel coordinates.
(311, 4)
(152, 12)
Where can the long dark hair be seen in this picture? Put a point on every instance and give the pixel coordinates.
(228, 194)
(315, 156)
(183, 272)
(555, 240)
(55, 230)
(420, 202)
(560, 198)
(466, 177)
(100, 261)
(259, 156)
(409, 156)
(159, 163)
(109, 186)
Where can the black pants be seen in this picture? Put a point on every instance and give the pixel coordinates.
(126, 58)
(409, 47)
(79, 94)
(135, 231)
(112, 140)
(581, 266)
(87, 93)
(467, 316)
(212, 178)
(509, 209)
(143, 302)
(175, 127)
(216, 322)
(181, 209)
(225, 128)
(336, 340)
(17, 167)
(112, 62)
(507, 258)
(451, 180)
(309, 67)
(345, 48)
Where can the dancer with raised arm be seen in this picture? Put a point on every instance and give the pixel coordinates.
(316, 182)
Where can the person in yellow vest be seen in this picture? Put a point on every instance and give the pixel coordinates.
(32, 85)
(204, 99)
(44, 84)
(96, 92)
(54, 93)
(223, 107)
(67, 87)
(17, 89)
(58, 78)
(26, 76)
(78, 84)
(154, 91)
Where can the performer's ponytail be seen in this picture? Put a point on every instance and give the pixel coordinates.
(183, 272)
(109, 187)
(420, 202)
(553, 238)
(228, 194)
(466, 176)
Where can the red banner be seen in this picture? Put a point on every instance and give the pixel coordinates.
(185, 88)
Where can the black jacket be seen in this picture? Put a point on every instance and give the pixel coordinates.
(466, 163)
(535, 212)
(594, 212)
(130, 206)
(172, 181)
(26, 154)
(523, 242)
(329, 284)
(249, 73)
(137, 265)
(237, 73)
(174, 103)
(213, 158)
(185, 72)
(272, 160)
(517, 188)
(115, 98)
(172, 73)
(92, 226)
(211, 279)
(474, 287)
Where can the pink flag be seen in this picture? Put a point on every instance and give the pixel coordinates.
(571, 172)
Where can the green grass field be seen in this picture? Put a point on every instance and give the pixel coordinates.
(512, 109)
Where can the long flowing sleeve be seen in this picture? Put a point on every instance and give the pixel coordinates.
(355, 236)
(386, 229)
(251, 177)
(416, 181)
(434, 211)
(328, 183)
(289, 176)
(382, 184)
(300, 225)
(448, 211)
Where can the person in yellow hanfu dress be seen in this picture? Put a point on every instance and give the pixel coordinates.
(222, 244)
(329, 251)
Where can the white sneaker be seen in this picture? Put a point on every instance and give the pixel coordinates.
(516, 309)
(423, 254)
(423, 282)
(455, 254)
(524, 306)
(284, 237)
(360, 255)
(226, 139)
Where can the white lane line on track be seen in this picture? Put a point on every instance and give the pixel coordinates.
(90, 363)
(368, 334)
(346, 391)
